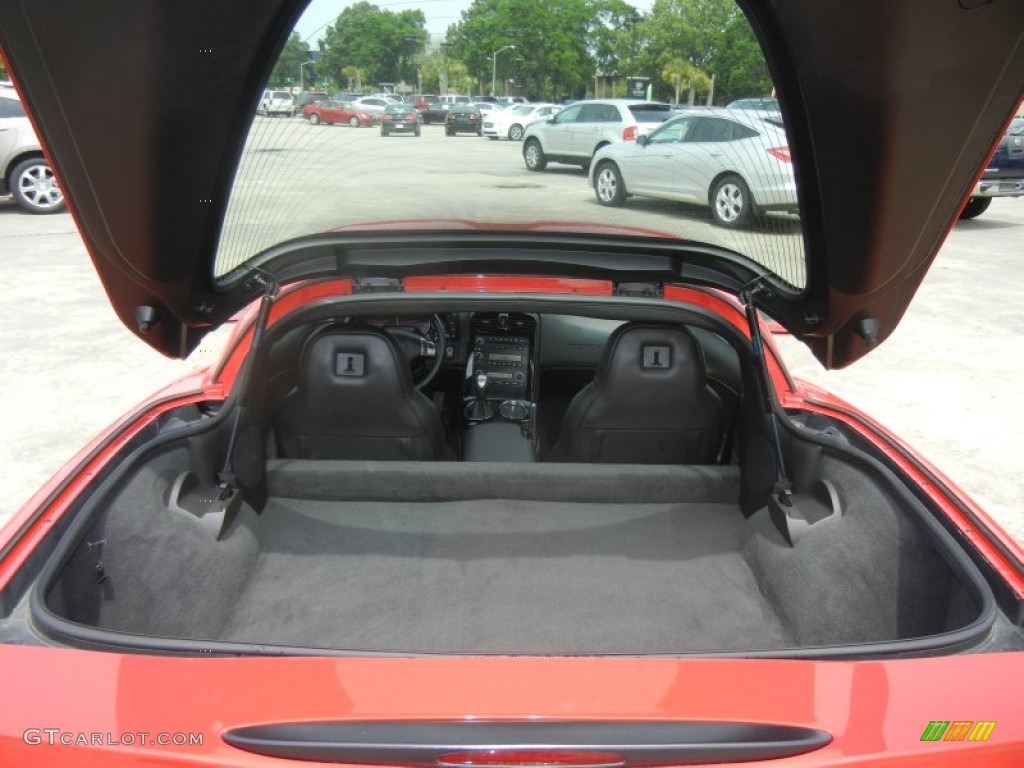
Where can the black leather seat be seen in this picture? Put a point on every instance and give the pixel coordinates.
(355, 399)
(649, 403)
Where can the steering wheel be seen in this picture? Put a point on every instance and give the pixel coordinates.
(425, 356)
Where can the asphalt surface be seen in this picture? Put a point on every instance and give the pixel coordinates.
(949, 381)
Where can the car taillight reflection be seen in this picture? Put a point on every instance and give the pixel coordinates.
(781, 153)
(629, 133)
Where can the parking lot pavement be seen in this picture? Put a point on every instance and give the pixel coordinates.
(948, 381)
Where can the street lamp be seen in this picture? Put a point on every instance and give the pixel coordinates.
(302, 81)
(443, 79)
(633, 21)
(494, 63)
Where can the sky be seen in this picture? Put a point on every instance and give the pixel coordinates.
(440, 14)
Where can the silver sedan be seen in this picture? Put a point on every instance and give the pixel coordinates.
(737, 164)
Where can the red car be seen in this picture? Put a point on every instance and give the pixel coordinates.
(421, 101)
(330, 112)
(490, 475)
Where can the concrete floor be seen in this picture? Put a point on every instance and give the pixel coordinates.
(949, 381)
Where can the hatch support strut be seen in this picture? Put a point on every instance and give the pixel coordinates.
(780, 501)
(229, 495)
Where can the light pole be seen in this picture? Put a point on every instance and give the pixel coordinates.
(443, 79)
(302, 81)
(494, 63)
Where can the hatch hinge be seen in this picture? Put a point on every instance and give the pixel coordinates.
(377, 285)
(639, 290)
(780, 501)
(228, 491)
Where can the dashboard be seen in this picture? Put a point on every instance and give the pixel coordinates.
(507, 341)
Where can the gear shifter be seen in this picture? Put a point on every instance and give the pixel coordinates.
(479, 409)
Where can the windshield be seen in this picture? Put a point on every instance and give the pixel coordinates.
(727, 181)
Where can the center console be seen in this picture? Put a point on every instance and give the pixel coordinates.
(500, 387)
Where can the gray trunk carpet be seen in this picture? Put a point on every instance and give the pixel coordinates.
(504, 577)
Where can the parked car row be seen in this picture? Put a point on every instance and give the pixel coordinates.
(735, 160)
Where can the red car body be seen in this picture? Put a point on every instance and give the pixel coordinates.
(875, 710)
(108, 702)
(331, 112)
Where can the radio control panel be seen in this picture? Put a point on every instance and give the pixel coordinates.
(506, 361)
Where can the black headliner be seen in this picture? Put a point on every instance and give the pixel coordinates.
(893, 106)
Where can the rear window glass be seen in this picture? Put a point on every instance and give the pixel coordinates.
(711, 129)
(651, 113)
(742, 132)
(699, 55)
(11, 108)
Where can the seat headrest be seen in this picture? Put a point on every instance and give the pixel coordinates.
(654, 356)
(350, 363)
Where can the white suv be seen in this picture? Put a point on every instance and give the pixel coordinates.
(277, 103)
(24, 171)
(511, 123)
(578, 131)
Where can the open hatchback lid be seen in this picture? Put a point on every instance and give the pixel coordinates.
(891, 109)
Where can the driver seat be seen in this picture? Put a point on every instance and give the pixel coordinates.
(355, 399)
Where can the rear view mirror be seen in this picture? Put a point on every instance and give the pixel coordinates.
(643, 140)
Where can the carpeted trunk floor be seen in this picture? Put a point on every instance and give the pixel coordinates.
(505, 577)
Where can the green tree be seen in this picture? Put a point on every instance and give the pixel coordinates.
(552, 38)
(383, 45)
(740, 68)
(712, 35)
(286, 70)
(612, 38)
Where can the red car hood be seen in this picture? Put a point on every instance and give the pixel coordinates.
(891, 111)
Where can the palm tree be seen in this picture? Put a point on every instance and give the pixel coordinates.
(354, 77)
(680, 74)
